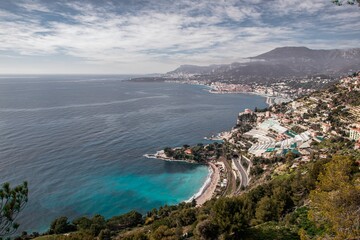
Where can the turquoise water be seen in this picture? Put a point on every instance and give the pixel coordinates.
(79, 141)
(143, 192)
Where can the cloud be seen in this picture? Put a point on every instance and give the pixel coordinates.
(33, 6)
(162, 34)
(286, 7)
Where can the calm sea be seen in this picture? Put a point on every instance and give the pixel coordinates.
(79, 141)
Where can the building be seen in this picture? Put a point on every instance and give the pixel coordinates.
(273, 125)
(355, 134)
(357, 145)
(188, 151)
(247, 110)
(267, 114)
(325, 127)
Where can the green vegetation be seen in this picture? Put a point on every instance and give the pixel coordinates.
(350, 2)
(199, 153)
(335, 203)
(277, 209)
(12, 201)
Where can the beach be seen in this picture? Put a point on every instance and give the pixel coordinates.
(209, 189)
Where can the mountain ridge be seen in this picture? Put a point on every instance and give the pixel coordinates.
(280, 62)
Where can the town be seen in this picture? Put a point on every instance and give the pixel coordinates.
(278, 139)
(283, 90)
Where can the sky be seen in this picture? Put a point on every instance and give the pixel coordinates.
(157, 36)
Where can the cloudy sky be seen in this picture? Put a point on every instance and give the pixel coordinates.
(155, 36)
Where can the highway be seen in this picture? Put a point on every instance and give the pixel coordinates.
(242, 171)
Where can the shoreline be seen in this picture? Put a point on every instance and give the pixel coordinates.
(210, 187)
(155, 156)
(204, 187)
(270, 99)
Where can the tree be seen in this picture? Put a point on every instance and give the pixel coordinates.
(12, 201)
(256, 170)
(98, 223)
(187, 216)
(105, 234)
(130, 219)
(137, 235)
(228, 215)
(206, 230)
(335, 203)
(350, 2)
(163, 232)
(61, 225)
(290, 156)
(169, 152)
(82, 223)
(265, 210)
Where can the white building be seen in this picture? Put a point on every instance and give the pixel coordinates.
(355, 134)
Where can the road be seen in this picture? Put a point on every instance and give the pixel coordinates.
(243, 173)
(249, 163)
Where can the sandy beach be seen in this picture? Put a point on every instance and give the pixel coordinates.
(210, 189)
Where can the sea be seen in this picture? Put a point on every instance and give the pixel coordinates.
(79, 141)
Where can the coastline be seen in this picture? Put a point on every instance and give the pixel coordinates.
(158, 156)
(206, 193)
(270, 99)
(204, 186)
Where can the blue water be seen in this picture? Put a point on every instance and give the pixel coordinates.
(79, 141)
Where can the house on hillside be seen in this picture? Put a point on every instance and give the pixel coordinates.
(188, 151)
(355, 134)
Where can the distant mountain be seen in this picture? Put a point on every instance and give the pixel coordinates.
(193, 69)
(289, 52)
(310, 54)
(278, 63)
(320, 61)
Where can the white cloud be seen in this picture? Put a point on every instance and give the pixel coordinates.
(33, 5)
(285, 7)
(154, 39)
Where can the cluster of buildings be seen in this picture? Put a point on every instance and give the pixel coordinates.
(275, 90)
(281, 89)
(355, 135)
(276, 139)
(220, 87)
(352, 82)
(294, 127)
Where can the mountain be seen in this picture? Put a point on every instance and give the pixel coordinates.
(193, 69)
(322, 61)
(289, 52)
(310, 54)
(279, 63)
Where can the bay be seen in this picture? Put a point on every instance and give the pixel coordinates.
(79, 141)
